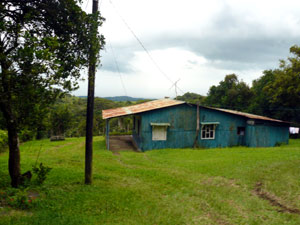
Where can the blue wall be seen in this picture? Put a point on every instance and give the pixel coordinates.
(182, 130)
(266, 134)
(226, 132)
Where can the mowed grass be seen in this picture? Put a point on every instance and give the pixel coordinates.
(170, 186)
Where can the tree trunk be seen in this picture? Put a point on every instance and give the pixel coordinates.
(11, 123)
(14, 155)
(13, 144)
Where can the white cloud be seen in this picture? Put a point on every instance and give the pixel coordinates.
(195, 40)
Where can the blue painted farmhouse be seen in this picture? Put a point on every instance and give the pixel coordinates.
(170, 123)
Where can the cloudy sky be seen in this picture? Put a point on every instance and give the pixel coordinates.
(194, 41)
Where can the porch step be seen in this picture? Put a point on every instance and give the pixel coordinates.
(121, 143)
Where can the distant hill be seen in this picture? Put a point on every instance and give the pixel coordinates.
(124, 98)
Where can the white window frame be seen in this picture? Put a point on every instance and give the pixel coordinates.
(159, 131)
(207, 129)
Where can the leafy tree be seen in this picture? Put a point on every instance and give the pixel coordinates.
(43, 46)
(230, 93)
(61, 119)
(192, 98)
(261, 102)
(284, 91)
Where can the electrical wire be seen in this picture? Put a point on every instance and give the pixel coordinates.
(144, 48)
(117, 66)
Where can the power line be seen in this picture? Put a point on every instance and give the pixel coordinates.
(117, 66)
(143, 46)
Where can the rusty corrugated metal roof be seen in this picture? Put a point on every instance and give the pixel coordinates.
(248, 115)
(143, 107)
(162, 103)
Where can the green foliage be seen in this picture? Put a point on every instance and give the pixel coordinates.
(60, 119)
(260, 103)
(3, 140)
(67, 116)
(44, 45)
(192, 98)
(42, 53)
(16, 198)
(41, 172)
(26, 134)
(277, 92)
(230, 93)
(20, 200)
(285, 90)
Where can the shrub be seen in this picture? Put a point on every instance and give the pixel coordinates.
(26, 135)
(20, 200)
(41, 172)
(16, 198)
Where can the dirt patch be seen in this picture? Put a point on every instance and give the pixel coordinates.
(273, 201)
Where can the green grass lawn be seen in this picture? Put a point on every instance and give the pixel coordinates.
(173, 186)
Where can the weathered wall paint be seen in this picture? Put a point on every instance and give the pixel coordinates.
(182, 130)
(180, 134)
(226, 132)
(264, 134)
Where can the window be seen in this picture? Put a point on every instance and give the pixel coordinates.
(159, 131)
(241, 131)
(208, 131)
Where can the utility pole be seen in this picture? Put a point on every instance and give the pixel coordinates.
(90, 103)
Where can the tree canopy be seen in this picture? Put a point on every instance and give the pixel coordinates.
(44, 45)
(282, 93)
(275, 94)
(192, 98)
(230, 93)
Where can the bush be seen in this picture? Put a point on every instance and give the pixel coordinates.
(3, 140)
(41, 172)
(26, 135)
(16, 198)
